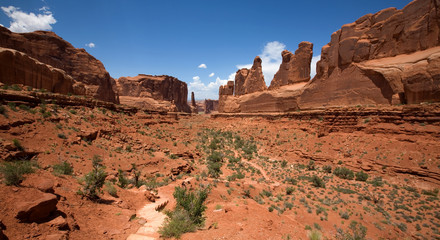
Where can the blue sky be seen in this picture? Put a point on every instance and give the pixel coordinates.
(200, 42)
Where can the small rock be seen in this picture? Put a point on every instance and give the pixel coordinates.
(142, 221)
(45, 185)
(59, 223)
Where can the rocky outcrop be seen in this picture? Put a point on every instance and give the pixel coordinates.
(225, 92)
(50, 49)
(346, 75)
(193, 104)
(250, 80)
(18, 68)
(158, 92)
(211, 105)
(294, 68)
(38, 208)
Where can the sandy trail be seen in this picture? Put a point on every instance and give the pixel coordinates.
(155, 219)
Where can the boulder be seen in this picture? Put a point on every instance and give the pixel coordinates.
(294, 68)
(154, 92)
(37, 208)
(50, 49)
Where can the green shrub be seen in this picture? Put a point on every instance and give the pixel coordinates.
(13, 171)
(327, 169)
(62, 136)
(63, 168)
(377, 182)
(361, 176)
(15, 87)
(136, 175)
(94, 180)
(12, 106)
(24, 107)
(311, 165)
(188, 214)
(17, 144)
(122, 180)
(344, 173)
(177, 223)
(358, 232)
(111, 189)
(317, 181)
(314, 235)
(284, 164)
(289, 190)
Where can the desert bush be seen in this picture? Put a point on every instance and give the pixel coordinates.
(344, 173)
(289, 190)
(377, 182)
(361, 176)
(94, 180)
(111, 189)
(13, 171)
(17, 144)
(63, 168)
(327, 169)
(314, 235)
(214, 164)
(62, 136)
(284, 164)
(358, 232)
(136, 176)
(188, 214)
(122, 180)
(317, 181)
(311, 165)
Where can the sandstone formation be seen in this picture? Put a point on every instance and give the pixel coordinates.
(49, 48)
(210, 105)
(18, 68)
(193, 104)
(387, 58)
(294, 68)
(225, 91)
(159, 92)
(250, 80)
(38, 208)
(346, 75)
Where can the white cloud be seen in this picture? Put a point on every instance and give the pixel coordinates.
(202, 65)
(1, 25)
(90, 45)
(315, 59)
(207, 90)
(29, 22)
(211, 75)
(271, 60)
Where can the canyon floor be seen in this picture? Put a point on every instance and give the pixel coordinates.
(281, 177)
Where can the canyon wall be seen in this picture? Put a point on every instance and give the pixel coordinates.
(50, 49)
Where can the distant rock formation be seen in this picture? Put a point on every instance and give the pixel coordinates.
(295, 68)
(224, 92)
(346, 74)
(193, 104)
(250, 80)
(391, 57)
(18, 68)
(163, 92)
(49, 48)
(211, 105)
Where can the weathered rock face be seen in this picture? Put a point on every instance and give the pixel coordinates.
(211, 105)
(145, 91)
(345, 75)
(193, 104)
(52, 50)
(250, 80)
(295, 68)
(224, 92)
(18, 68)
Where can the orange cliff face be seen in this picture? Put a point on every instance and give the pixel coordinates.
(390, 57)
(164, 93)
(47, 48)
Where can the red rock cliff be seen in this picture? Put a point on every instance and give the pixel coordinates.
(350, 71)
(160, 92)
(49, 48)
